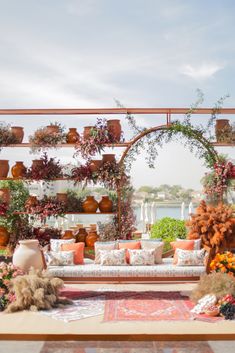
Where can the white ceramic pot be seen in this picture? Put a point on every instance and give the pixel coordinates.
(28, 254)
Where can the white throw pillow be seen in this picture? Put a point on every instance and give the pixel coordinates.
(190, 257)
(62, 258)
(197, 242)
(113, 257)
(156, 245)
(56, 243)
(103, 245)
(142, 257)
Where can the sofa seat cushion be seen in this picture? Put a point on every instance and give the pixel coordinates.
(166, 269)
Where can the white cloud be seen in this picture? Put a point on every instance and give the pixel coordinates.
(200, 72)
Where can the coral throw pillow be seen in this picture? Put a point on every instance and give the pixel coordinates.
(132, 245)
(184, 245)
(78, 249)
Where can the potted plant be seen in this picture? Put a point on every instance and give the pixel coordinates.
(47, 137)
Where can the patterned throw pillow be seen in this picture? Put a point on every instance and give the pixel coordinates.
(157, 246)
(56, 243)
(129, 245)
(113, 257)
(142, 257)
(78, 249)
(184, 245)
(102, 245)
(62, 258)
(190, 257)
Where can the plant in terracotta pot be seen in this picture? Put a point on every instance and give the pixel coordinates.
(82, 173)
(18, 133)
(46, 208)
(47, 137)
(6, 136)
(48, 169)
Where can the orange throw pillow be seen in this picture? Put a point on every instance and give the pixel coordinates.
(184, 245)
(78, 249)
(132, 245)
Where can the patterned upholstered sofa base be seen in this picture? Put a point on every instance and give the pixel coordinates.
(96, 273)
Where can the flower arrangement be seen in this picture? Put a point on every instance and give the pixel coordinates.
(214, 224)
(82, 173)
(224, 263)
(7, 272)
(74, 203)
(110, 175)
(45, 234)
(3, 209)
(47, 207)
(44, 138)
(51, 169)
(6, 136)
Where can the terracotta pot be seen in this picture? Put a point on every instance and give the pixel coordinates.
(108, 158)
(18, 170)
(31, 201)
(95, 165)
(50, 129)
(18, 132)
(5, 195)
(87, 131)
(62, 197)
(115, 129)
(90, 205)
(37, 163)
(4, 236)
(81, 235)
(28, 254)
(68, 234)
(91, 238)
(4, 168)
(105, 205)
(72, 136)
(221, 124)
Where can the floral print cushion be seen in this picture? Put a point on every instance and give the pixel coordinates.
(142, 257)
(56, 243)
(62, 258)
(103, 245)
(112, 257)
(190, 257)
(156, 245)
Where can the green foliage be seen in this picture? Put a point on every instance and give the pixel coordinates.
(168, 229)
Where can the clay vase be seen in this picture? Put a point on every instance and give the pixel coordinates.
(72, 136)
(95, 165)
(68, 234)
(18, 132)
(31, 201)
(86, 132)
(91, 238)
(105, 205)
(28, 254)
(81, 235)
(62, 197)
(4, 236)
(4, 168)
(114, 129)
(37, 164)
(90, 205)
(221, 126)
(5, 195)
(18, 170)
(108, 158)
(50, 129)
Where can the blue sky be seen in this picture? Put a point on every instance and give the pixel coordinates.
(85, 53)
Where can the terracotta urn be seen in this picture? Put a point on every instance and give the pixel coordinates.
(105, 205)
(68, 234)
(31, 201)
(27, 255)
(4, 236)
(91, 238)
(95, 165)
(18, 132)
(62, 197)
(72, 136)
(81, 235)
(4, 168)
(52, 129)
(222, 126)
(5, 195)
(90, 205)
(18, 170)
(37, 163)
(115, 129)
(108, 158)
(87, 132)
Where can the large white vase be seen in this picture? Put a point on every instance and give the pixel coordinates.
(28, 254)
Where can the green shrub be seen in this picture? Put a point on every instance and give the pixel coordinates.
(168, 229)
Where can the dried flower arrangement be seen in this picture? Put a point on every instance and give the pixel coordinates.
(6, 136)
(7, 272)
(214, 224)
(46, 207)
(44, 138)
(50, 169)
